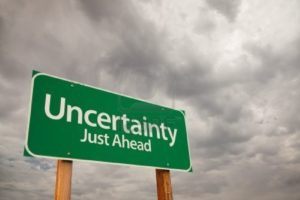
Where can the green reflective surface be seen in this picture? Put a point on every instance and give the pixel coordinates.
(69, 120)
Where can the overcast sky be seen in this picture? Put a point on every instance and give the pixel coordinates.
(233, 66)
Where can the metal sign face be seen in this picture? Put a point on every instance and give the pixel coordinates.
(73, 121)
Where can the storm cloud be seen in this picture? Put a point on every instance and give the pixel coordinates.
(233, 66)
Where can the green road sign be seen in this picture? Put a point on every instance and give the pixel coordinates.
(73, 121)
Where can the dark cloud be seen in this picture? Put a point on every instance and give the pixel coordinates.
(242, 114)
(205, 23)
(211, 96)
(139, 54)
(191, 78)
(40, 164)
(229, 9)
(1, 28)
(272, 63)
(104, 10)
(223, 139)
(293, 181)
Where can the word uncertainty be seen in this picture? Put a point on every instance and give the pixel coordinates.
(110, 122)
(73, 121)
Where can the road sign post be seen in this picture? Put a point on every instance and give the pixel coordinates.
(163, 184)
(63, 180)
(73, 121)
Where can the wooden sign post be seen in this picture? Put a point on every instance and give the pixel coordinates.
(63, 180)
(163, 185)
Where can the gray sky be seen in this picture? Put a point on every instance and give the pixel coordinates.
(232, 65)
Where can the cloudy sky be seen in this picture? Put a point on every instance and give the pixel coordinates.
(232, 65)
